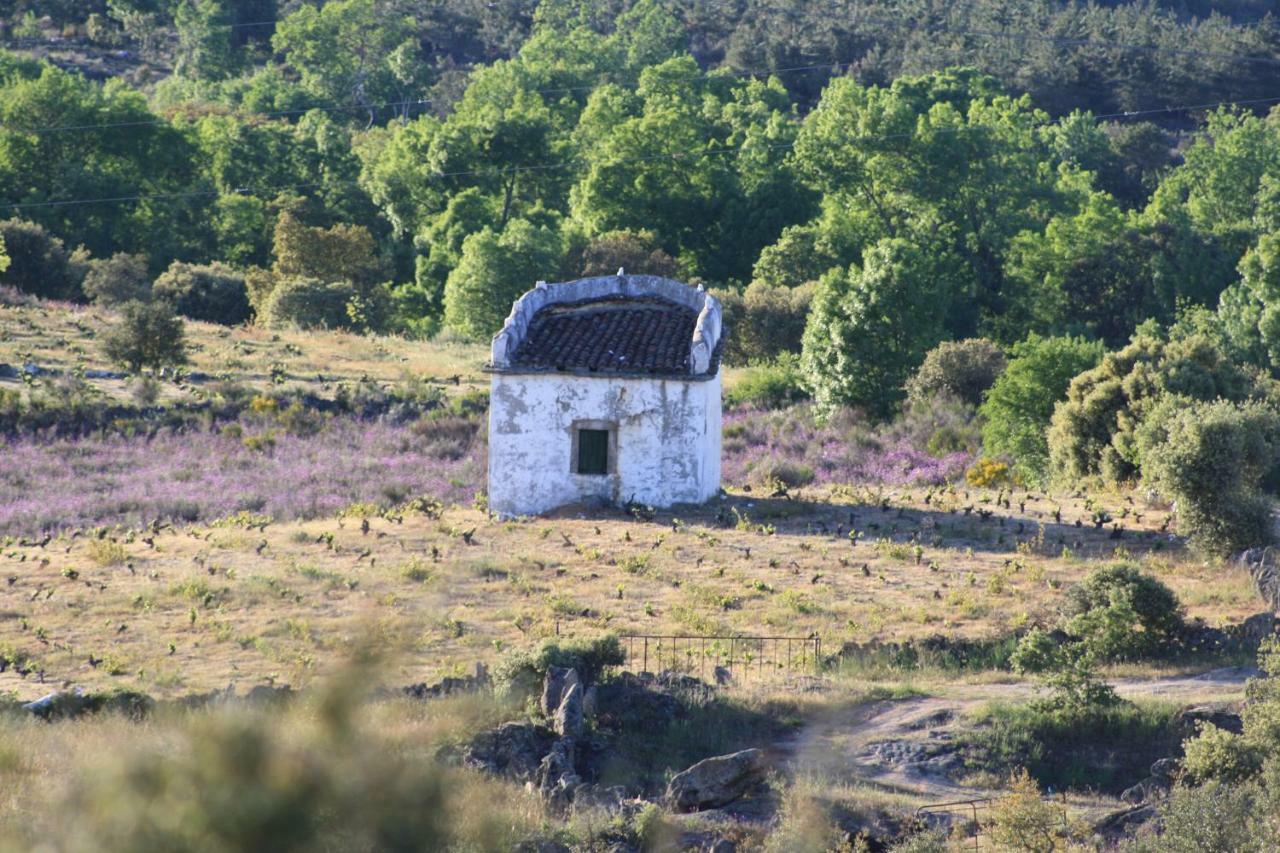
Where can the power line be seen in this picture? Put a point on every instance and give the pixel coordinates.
(570, 162)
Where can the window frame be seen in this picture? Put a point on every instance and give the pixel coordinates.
(611, 461)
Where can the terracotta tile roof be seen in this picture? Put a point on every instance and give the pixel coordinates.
(620, 335)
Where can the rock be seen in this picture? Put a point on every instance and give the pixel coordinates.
(722, 845)
(8, 371)
(1123, 823)
(540, 845)
(1257, 628)
(127, 703)
(1164, 768)
(557, 777)
(104, 374)
(590, 701)
(1220, 714)
(722, 676)
(568, 720)
(514, 750)
(554, 686)
(1150, 788)
(449, 685)
(628, 702)
(61, 704)
(266, 695)
(1261, 563)
(717, 781)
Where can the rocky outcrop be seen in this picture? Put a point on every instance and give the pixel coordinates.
(514, 750)
(449, 685)
(557, 777)
(718, 781)
(70, 704)
(569, 715)
(1223, 715)
(1163, 774)
(557, 682)
(1263, 565)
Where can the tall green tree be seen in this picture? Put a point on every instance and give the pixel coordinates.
(871, 324)
(494, 269)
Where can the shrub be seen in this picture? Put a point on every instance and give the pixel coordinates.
(1218, 754)
(1019, 405)
(39, 263)
(240, 782)
(962, 369)
(215, 293)
(764, 322)
(772, 472)
(147, 335)
(1217, 816)
(309, 303)
(523, 670)
(118, 279)
(987, 472)
(1119, 613)
(1023, 820)
(634, 251)
(1095, 431)
(772, 385)
(1211, 459)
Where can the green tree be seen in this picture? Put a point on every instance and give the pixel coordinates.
(494, 269)
(215, 293)
(1211, 458)
(960, 369)
(120, 278)
(350, 52)
(148, 334)
(1019, 406)
(37, 262)
(1094, 432)
(206, 48)
(871, 325)
(1250, 309)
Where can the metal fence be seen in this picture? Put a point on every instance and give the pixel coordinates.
(967, 822)
(720, 657)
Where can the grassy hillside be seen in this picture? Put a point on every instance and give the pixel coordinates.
(190, 609)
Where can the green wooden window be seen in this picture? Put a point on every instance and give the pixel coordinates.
(593, 451)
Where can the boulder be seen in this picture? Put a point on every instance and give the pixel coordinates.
(559, 679)
(1223, 715)
(1150, 788)
(1262, 565)
(568, 719)
(557, 777)
(714, 782)
(514, 750)
(630, 702)
(60, 704)
(1164, 768)
(1257, 628)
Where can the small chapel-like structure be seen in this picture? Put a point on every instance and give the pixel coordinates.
(605, 389)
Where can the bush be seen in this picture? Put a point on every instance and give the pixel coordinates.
(1119, 613)
(309, 303)
(1218, 754)
(1023, 820)
(147, 335)
(523, 670)
(215, 293)
(39, 263)
(118, 279)
(1211, 460)
(772, 473)
(637, 252)
(1095, 431)
(764, 322)
(1019, 405)
(987, 472)
(773, 385)
(1212, 817)
(962, 369)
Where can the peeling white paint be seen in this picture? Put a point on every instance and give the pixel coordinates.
(668, 440)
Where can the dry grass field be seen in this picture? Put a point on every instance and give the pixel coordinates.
(249, 601)
(64, 338)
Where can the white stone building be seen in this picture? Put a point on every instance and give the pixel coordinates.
(605, 389)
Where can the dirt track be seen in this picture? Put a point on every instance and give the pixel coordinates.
(901, 745)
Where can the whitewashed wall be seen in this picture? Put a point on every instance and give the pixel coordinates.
(668, 440)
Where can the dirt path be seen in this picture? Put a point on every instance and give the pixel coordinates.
(904, 745)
